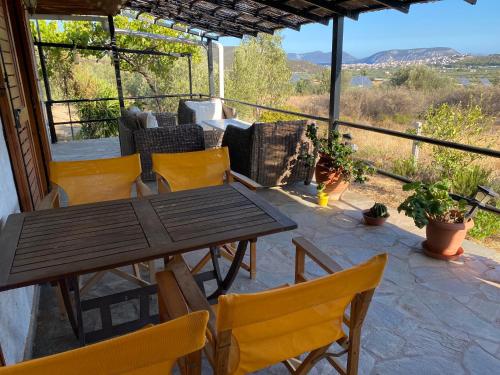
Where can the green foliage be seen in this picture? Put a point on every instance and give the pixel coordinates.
(466, 180)
(271, 116)
(406, 167)
(340, 155)
(260, 74)
(486, 224)
(379, 210)
(431, 201)
(457, 124)
(159, 74)
(319, 83)
(419, 77)
(321, 187)
(86, 85)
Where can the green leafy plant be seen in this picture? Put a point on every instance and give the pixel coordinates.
(378, 210)
(486, 224)
(340, 155)
(432, 202)
(406, 167)
(460, 124)
(321, 187)
(466, 180)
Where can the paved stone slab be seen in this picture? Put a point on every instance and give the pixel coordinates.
(427, 317)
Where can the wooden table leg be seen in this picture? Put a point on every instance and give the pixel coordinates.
(78, 308)
(63, 285)
(253, 258)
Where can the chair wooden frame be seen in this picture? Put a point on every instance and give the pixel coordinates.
(178, 294)
(228, 250)
(51, 200)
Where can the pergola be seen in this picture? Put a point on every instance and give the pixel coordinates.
(212, 19)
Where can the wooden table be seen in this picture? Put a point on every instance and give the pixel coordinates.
(61, 244)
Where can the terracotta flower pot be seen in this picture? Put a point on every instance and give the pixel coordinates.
(335, 185)
(444, 240)
(370, 220)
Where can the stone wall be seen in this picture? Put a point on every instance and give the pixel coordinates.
(16, 305)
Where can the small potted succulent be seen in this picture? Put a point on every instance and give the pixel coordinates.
(336, 166)
(376, 215)
(322, 196)
(445, 219)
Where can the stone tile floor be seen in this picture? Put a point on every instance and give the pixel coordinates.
(427, 317)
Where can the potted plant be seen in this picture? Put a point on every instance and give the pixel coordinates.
(322, 196)
(376, 215)
(446, 224)
(336, 166)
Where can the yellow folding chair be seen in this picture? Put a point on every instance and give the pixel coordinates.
(89, 181)
(152, 350)
(197, 169)
(249, 332)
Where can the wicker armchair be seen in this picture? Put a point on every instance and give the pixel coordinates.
(129, 123)
(168, 139)
(186, 115)
(270, 153)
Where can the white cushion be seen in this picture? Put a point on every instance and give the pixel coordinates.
(134, 109)
(206, 110)
(151, 121)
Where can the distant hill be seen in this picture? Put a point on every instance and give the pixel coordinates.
(313, 62)
(320, 58)
(404, 55)
(395, 55)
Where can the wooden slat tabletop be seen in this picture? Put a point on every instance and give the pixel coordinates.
(47, 245)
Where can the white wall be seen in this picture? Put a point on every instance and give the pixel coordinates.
(15, 305)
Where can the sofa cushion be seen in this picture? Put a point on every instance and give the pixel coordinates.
(206, 110)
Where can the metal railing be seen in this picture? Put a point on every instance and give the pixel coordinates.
(393, 133)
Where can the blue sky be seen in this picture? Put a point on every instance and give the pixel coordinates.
(448, 23)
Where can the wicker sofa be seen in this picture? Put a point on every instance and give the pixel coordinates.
(168, 137)
(270, 153)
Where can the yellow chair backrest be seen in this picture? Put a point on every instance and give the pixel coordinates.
(272, 326)
(148, 351)
(89, 181)
(192, 170)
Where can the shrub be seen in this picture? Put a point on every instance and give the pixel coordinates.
(419, 77)
(486, 224)
(406, 167)
(457, 124)
(466, 180)
(271, 116)
(87, 86)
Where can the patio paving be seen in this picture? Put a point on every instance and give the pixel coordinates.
(427, 316)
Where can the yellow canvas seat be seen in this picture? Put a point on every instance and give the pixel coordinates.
(249, 332)
(149, 351)
(191, 170)
(91, 181)
(197, 169)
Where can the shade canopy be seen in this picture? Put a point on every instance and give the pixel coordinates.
(233, 17)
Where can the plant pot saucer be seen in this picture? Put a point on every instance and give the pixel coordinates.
(432, 254)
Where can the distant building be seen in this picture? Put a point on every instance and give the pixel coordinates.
(361, 81)
(485, 81)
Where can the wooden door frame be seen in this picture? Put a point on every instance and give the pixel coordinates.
(23, 58)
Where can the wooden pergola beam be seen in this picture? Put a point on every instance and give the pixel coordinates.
(333, 7)
(395, 4)
(304, 13)
(281, 21)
